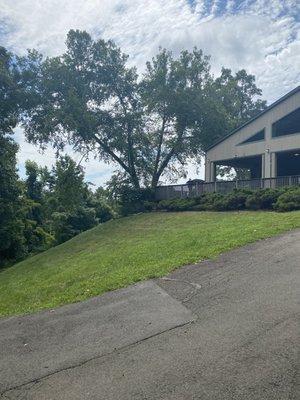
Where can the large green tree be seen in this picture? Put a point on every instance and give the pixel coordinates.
(12, 242)
(69, 202)
(150, 126)
(19, 202)
(9, 93)
(239, 95)
(70, 190)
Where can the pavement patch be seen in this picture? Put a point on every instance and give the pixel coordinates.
(38, 345)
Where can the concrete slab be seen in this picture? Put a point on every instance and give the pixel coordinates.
(35, 346)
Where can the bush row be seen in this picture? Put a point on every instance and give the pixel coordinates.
(281, 199)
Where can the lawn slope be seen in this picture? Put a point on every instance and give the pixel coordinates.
(120, 252)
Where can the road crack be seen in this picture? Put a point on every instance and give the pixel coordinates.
(3, 394)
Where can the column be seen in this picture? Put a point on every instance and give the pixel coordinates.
(273, 165)
(212, 171)
(263, 161)
(267, 163)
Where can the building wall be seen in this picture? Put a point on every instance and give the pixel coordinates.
(231, 147)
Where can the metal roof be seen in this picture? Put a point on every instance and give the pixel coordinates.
(283, 98)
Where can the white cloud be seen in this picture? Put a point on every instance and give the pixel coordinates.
(259, 35)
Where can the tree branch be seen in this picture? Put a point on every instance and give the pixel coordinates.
(157, 159)
(131, 163)
(168, 157)
(107, 149)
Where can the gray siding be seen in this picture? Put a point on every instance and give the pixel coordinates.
(231, 147)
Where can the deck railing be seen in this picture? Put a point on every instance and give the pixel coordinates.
(198, 188)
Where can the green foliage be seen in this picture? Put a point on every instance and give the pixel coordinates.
(150, 205)
(69, 224)
(288, 201)
(71, 207)
(33, 185)
(36, 238)
(103, 211)
(69, 190)
(132, 201)
(103, 204)
(9, 96)
(50, 206)
(232, 201)
(263, 199)
(151, 125)
(281, 199)
(12, 241)
(177, 204)
(207, 202)
(33, 191)
(239, 96)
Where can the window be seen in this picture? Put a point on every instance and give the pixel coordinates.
(288, 125)
(255, 138)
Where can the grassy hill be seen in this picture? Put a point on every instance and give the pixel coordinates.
(120, 252)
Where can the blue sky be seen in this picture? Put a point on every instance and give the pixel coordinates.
(262, 36)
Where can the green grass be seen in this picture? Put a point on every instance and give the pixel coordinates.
(128, 250)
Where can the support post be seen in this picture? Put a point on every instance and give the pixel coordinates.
(273, 165)
(212, 171)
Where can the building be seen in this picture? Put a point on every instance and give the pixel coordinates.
(267, 145)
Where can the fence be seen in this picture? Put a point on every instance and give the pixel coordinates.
(198, 188)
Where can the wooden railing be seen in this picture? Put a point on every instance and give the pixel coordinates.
(198, 188)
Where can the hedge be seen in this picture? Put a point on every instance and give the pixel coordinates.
(281, 199)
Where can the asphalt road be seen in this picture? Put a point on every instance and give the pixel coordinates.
(222, 329)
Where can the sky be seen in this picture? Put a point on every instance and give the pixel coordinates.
(262, 36)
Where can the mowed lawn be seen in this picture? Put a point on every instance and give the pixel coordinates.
(120, 252)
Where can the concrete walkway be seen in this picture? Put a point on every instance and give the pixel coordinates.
(223, 329)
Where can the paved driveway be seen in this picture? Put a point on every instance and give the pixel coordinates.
(223, 329)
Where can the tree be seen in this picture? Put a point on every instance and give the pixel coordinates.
(69, 205)
(70, 189)
(33, 191)
(150, 126)
(181, 111)
(240, 97)
(12, 243)
(9, 107)
(33, 184)
(91, 100)
(87, 99)
(18, 90)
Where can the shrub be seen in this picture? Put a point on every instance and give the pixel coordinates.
(37, 239)
(150, 205)
(263, 199)
(209, 201)
(288, 201)
(177, 204)
(282, 199)
(67, 224)
(232, 201)
(103, 211)
(132, 201)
